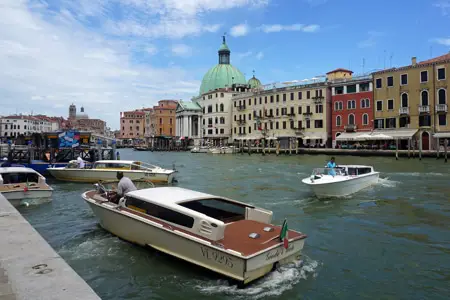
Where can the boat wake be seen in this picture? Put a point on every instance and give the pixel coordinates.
(274, 284)
(387, 183)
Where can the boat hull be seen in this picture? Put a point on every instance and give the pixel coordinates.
(41, 166)
(20, 197)
(342, 188)
(94, 175)
(238, 268)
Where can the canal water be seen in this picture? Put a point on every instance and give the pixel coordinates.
(391, 241)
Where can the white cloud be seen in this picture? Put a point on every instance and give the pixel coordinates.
(316, 2)
(181, 50)
(371, 40)
(444, 6)
(259, 55)
(151, 50)
(239, 30)
(442, 41)
(292, 27)
(49, 61)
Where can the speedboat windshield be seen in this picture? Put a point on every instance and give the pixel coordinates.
(328, 171)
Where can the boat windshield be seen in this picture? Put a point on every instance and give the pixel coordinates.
(219, 209)
(328, 171)
(20, 177)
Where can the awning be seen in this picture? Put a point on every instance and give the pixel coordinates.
(442, 135)
(312, 138)
(401, 134)
(349, 136)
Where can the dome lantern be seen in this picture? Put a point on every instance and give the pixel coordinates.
(224, 53)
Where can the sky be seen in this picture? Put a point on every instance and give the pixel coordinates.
(117, 55)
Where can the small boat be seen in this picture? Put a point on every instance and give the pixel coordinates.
(222, 150)
(341, 181)
(229, 237)
(22, 185)
(200, 149)
(107, 170)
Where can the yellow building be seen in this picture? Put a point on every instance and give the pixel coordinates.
(287, 113)
(410, 102)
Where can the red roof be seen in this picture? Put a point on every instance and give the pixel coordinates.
(340, 70)
(436, 59)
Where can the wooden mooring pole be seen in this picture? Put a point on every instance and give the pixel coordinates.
(396, 149)
(445, 149)
(437, 148)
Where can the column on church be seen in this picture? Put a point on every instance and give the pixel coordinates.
(185, 126)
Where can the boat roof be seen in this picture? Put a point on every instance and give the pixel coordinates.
(169, 195)
(116, 161)
(4, 170)
(354, 166)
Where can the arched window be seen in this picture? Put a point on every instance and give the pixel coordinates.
(338, 121)
(442, 96)
(217, 107)
(222, 120)
(336, 106)
(365, 119)
(404, 100)
(351, 119)
(424, 98)
(221, 107)
(341, 105)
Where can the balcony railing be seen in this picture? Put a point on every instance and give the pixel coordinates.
(424, 109)
(441, 108)
(299, 131)
(350, 127)
(269, 116)
(240, 107)
(240, 133)
(291, 115)
(403, 110)
(241, 122)
(307, 115)
(318, 99)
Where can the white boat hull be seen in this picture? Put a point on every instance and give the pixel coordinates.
(172, 242)
(18, 198)
(95, 175)
(342, 188)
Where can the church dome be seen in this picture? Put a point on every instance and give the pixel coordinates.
(223, 74)
(254, 82)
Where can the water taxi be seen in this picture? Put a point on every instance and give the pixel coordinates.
(107, 170)
(341, 181)
(22, 185)
(229, 237)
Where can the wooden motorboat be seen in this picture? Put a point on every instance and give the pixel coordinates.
(229, 237)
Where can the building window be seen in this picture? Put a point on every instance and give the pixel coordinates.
(299, 124)
(442, 96)
(424, 98)
(404, 121)
(299, 95)
(365, 103)
(277, 125)
(443, 120)
(209, 109)
(319, 108)
(351, 104)
(404, 79)
(365, 119)
(271, 98)
(378, 83)
(308, 123)
(404, 100)
(222, 131)
(351, 119)
(441, 74)
(221, 107)
(292, 96)
(424, 76)
(318, 123)
(308, 95)
(299, 110)
(425, 120)
(390, 122)
(364, 87)
(379, 105)
(222, 120)
(336, 106)
(351, 89)
(390, 81)
(338, 121)
(284, 124)
(390, 104)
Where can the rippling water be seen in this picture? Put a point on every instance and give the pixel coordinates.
(391, 241)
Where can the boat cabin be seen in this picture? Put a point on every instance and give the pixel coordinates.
(343, 170)
(16, 175)
(119, 165)
(198, 213)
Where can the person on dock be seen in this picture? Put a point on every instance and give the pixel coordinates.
(331, 165)
(124, 186)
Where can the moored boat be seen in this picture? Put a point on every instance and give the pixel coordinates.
(228, 237)
(222, 150)
(107, 170)
(341, 181)
(200, 149)
(22, 185)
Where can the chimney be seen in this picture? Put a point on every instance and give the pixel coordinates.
(414, 61)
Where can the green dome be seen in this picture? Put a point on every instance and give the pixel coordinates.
(254, 82)
(221, 76)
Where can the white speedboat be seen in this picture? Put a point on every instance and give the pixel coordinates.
(229, 237)
(200, 149)
(22, 185)
(341, 181)
(222, 150)
(106, 170)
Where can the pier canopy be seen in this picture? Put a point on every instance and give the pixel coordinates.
(442, 135)
(378, 135)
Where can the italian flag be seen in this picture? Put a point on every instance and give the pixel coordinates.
(284, 234)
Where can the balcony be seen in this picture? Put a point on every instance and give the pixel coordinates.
(403, 110)
(350, 127)
(299, 131)
(307, 115)
(318, 99)
(241, 122)
(269, 116)
(241, 134)
(441, 108)
(240, 107)
(424, 109)
(291, 115)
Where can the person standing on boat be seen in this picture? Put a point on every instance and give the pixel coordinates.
(80, 162)
(124, 186)
(331, 165)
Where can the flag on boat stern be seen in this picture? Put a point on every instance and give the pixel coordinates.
(284, 234)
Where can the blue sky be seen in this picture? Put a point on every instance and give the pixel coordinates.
(116, 55)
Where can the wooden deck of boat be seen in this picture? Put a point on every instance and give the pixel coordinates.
(20, 186)
(236, 235)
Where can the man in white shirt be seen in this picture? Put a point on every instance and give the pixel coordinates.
(80, 162)
(124, 186)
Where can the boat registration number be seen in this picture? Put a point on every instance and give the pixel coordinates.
(217, 257)
(279, 252)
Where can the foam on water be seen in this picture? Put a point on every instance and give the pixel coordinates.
(274, 284)
(92, 247)
(387, 183)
